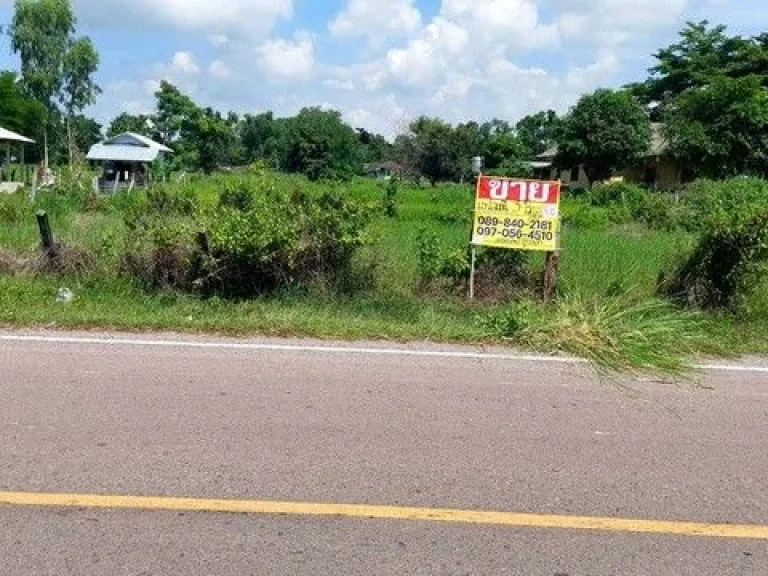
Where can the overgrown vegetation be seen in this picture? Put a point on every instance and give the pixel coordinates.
(283, 255)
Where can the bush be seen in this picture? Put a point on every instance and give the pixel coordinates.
(726, 204)
(258, 241)
(658, 211)
(14, 208)
(582, 215)
(617, 193)
(729, 262)
(500, 274)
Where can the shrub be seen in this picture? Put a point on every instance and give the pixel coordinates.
(616, 193)
(658, 211)
(390, 198)
(726, 204)
(724, 269)
(257, 242)
(14, 208)
(582, 215)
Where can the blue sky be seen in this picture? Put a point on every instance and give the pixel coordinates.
(382, 62)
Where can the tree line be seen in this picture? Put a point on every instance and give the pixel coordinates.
(708, 91)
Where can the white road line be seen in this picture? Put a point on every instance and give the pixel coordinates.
(340, 350)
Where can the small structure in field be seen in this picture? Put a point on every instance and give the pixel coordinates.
(9, 139)
(127, 159)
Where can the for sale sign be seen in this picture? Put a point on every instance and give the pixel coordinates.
(517, 214)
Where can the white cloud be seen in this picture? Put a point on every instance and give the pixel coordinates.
(613, 22)
(219, 40)
(288, 59)
(237, 17)
(376, 20)
(218, 69)
(184, 63)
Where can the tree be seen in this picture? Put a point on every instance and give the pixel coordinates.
(141, 124)
(436, 155)
(505, 152)
(210, 136)
(373, 147)
(263, 138)
(79, 88)
(18, 112)
(40, 34)
(702, 54)
(538, 132)
(173, 109)
(320, 145)
(85, 132)
(606, 132)
(720, 130)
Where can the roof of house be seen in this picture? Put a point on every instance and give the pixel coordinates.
(8, 136)
(657, 147)
(128, 147)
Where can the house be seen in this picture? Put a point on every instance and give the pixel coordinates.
(657, 169)
(383, 170)
(9, 178)
(127, 160)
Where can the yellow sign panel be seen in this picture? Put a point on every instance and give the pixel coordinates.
(517, 214)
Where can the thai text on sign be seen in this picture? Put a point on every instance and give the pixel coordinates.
(517, 214)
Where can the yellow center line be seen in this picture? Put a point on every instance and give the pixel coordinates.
(371, 512)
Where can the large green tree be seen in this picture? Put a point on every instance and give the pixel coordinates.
(702, 53)
(538, 132)
(174, 108)
(437, 157)
(85, 132)
(721, 129)
(264, 138)
(210, 136)
(79, 88)
(138, 124)
(40, 34)
(606, 132)
(321, 145)
(18, 111)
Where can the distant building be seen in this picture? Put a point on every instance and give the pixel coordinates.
(383, 170)
(657, 169)
(127, 159)
(10, 179)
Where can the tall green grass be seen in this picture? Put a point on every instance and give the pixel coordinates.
(593, 318)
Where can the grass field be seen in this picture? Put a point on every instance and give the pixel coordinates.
(608, 278)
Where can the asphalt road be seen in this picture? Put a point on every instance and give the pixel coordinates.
(420, 429)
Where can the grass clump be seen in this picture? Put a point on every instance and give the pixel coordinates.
(613, 333)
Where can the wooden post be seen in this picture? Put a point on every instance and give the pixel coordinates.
(46, 235)
(551, 269)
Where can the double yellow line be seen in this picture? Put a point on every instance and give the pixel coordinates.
(351, 511)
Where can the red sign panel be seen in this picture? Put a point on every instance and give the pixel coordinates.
(514, 190)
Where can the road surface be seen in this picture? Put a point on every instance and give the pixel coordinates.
(137, 455)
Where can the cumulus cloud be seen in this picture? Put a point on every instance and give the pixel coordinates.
(376, 20)
(184, 63)
(288, 59)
